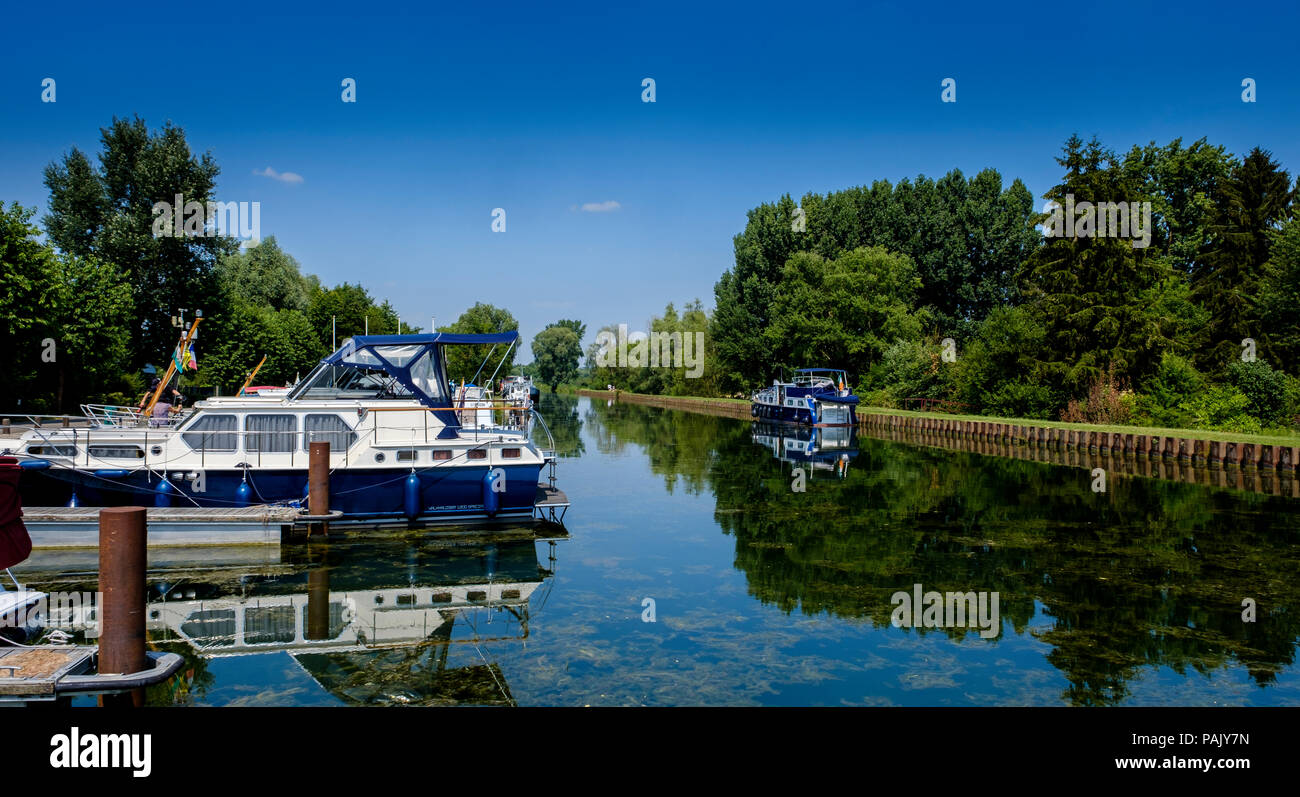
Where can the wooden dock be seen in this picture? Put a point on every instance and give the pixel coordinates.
(49, 672)
(78, 527)
(54, 527)
(551, 504)
(36, 672)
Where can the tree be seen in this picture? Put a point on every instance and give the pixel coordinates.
(842, 313)
(26, 299)
(744, 294)
(1183, 183)
(556, 351)
(1090, 293)
(347, 310)
(64, 319)
(464, 362)
(1279, 298)
(966, 238)
(266, 275)
(598, 375)
(107, 214)
(91, 317)
(247, 332)
(579, 328)
(1255, 200)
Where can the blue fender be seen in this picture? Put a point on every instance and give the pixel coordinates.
(491, 498)
(243, 494)
(163, 493)
(411, 496)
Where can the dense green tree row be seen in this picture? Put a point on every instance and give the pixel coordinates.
(1181, 306)
(84, 310)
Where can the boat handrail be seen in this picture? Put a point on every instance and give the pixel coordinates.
(113, 415)
(550, 440)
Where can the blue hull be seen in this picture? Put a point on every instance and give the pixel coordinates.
(358, 494)
(799, 415)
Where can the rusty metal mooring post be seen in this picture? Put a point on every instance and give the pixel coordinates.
(123, 559)
(318, 485)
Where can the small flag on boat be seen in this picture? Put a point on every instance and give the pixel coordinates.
(192, 359)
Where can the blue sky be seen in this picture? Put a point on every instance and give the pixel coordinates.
(536, 108)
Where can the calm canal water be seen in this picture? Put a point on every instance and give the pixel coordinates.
(761, 594)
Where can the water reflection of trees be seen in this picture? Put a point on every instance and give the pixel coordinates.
(561, 414)
(1148, 574)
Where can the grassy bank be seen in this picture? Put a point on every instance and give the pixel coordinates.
(1290, 439)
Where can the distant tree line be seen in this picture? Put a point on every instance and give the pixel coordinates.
(947, 289)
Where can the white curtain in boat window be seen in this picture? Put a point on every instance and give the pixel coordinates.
(213, 433)
(328, 429)
(271, 434)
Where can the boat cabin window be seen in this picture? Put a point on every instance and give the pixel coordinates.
(268, 624)
(213, 433)
(211, 627)
(272, 433)
(328, 429)
(52, 451)
(117, 452)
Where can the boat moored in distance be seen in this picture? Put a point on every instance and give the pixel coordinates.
(816, 397)
(520, 391)
(402, 447)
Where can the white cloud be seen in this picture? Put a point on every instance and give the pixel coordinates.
(284, 177)
(600, 207)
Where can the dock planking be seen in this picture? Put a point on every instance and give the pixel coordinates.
(78, 527)
(31, 672)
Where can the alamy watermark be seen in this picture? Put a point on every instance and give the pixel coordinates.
(656, 350)
(71, 611)
(919, 609)
(1085, 219)
(194, 219)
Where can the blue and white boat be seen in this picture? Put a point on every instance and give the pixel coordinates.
(401, 446)
(817, 397)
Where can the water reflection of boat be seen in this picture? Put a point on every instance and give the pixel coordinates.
(19, 613)
(822, 449)
(373, 621)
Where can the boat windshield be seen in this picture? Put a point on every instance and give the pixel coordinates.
(334, 382)
(814, 380)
